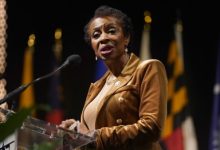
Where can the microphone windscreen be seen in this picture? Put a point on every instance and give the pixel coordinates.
(74, 59)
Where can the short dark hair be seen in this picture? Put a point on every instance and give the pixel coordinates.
(105, 10)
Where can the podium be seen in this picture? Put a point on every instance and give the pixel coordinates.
(38, 134)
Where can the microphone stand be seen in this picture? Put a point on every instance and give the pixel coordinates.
(25, 86)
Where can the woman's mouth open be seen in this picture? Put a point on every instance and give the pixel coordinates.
(106, 50)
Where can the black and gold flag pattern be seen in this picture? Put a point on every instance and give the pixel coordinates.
(178, 133)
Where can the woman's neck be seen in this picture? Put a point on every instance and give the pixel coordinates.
(117, 66)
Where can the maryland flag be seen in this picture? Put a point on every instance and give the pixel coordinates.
(55, 94)
(178, 133)
(27, 98)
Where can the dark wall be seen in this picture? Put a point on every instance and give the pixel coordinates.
(200, 37)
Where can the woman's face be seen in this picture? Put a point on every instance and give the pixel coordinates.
(107, 38)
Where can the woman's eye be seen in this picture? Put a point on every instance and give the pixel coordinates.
(112, 30)
(95, 35)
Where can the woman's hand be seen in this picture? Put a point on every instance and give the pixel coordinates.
(2, 116)
(4, 106)
(67, 123)
(72, 124)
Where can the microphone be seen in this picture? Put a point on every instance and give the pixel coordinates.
(72, 59)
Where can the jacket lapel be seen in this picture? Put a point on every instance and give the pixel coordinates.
(121, 81)
(95, 88)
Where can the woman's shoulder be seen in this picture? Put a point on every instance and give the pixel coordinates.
(150, 62)
(151, 67)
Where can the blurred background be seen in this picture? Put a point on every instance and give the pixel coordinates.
(39, 20)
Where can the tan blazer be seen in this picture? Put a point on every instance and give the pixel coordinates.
(132, 114)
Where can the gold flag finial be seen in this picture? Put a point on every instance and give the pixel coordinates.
(31, 40)
(58, 46)
(147, 17)
(147, 20)
(58, 34)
